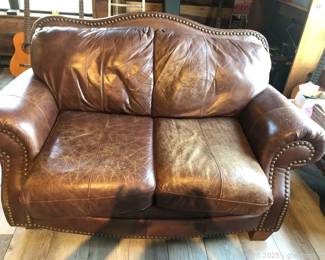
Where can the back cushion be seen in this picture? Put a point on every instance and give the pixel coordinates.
(202, 75)
(98, 69)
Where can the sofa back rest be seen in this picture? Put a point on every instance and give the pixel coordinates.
(191, 70)
(204, 75)
(99, 69)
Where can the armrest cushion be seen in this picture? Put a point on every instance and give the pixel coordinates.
(27, 112)
(274, 127)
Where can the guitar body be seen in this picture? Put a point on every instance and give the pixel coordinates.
(20, 61)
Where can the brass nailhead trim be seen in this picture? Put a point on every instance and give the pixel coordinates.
(133, 236)
(99, 22)
(287, 180)
(6, 161)
(29, 220)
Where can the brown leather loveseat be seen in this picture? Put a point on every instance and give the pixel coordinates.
(149, 125)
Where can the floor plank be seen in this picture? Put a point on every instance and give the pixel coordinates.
(148, 249)
(6, 231)
(157, 249)
(259, 249)
(29, 244)
(4, 244)
(186, 249)
(103, 248)
(292, 240)
(224, 247)
(305, 207)
(68, 246)
(196, 249)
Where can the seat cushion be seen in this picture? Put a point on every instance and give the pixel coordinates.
(92, 165)
(207, 165)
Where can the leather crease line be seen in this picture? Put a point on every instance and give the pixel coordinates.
(207, 144)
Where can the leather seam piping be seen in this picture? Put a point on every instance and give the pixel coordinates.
(218, 199)
(85, 199)
(135, 236)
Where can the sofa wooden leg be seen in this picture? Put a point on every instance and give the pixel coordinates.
(259, 235)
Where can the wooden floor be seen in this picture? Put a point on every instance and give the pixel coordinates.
(301, 237)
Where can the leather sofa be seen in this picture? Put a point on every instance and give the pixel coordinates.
(149, 125)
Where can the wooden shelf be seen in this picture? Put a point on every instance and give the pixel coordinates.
(293, 5)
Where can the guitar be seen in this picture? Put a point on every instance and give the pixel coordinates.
(20, 61)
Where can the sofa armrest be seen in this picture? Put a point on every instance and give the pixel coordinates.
(279, 133)
(282, 137)
(27, 114)
(28, 110)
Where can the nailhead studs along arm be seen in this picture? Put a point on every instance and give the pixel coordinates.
(282, 138)
(273, 171)
(27, 114)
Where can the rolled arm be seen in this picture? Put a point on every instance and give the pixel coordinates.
(27, 114)
(282, 138)
(276, 128)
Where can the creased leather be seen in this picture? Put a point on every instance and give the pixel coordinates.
(95, 172)
(200, 75)
(28, 111)
(27, 106)
(270, 122)
(105, 69)
(92, 165)
(207, 165)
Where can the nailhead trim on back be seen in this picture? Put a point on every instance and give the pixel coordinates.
(5, 159)
(287, 180)
(45, 21)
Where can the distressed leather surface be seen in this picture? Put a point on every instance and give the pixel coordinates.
(207, 165)
(270, 122)
(27, 106)
(83, 179)
(203, 75)
(104, 70)
(27, 114)
(92, 165)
